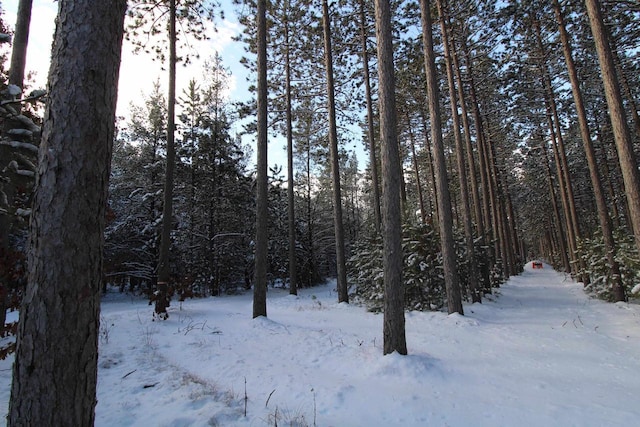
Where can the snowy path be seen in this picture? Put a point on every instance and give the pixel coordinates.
(540, 353)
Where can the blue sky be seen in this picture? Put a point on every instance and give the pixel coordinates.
(139, 72)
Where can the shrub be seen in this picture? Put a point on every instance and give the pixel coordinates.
(592, 252)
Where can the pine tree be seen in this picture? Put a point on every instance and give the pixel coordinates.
(59, 352)
(260, 284)
(622, 135)
(393, 331)
(20, 43)
(443, 198)
(343, 295)
(145, 16)
(135, 190)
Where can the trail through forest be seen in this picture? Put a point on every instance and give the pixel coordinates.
(537, 352)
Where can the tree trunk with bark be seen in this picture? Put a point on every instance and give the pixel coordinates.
(373, 163)
(452, 281)
(474, 286)
(262, 183)
(416, 169)
(473, 173)
(20, 43)
(562, 246)
(291, 216)
(482, 162)
(55, 369)
(394, 329)
(343, 294)
(596, 182)
(162, 297)
(622, 135)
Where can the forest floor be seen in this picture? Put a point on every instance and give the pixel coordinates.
(538, 352)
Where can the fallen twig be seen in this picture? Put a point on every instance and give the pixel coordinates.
(129, 374)
(267, 402)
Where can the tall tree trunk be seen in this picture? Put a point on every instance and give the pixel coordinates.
(452, 281)
(562, 246)
(162, 299)
(20, 43)
(607, 176)
(393, 330)
(293, 286)
(474, 286)
(469, 147)
(492, 186)
(562, 165)
(482, 163)
(495, 191)
(506, 223)
(477, 203)
(373, 163)
(433, 206)
(622, 135)
(596, 182)
(616, 181)
(624, 83)
(571, 241)
(55, 368)
(416, 168)
(262, 180)
(343, 294)
(516, 243)
(16, 77)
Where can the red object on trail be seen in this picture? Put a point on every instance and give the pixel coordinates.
(536, 264)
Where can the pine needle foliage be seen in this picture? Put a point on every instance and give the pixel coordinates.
(592, 252)
(423, 275)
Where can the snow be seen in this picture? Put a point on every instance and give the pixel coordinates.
(538, 352)
(14, 90)
(24, 145)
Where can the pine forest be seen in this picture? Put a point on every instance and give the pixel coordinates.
(432, 149)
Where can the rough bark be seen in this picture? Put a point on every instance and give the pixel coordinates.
(492, 185)
(262, 218)
(452, 282)
(416, 171)
(393, 330)
(562, 165)
(596, 182)
(571, 241)
(469, 148)
(291, 216)
(373, 163)
(343, 295)
(473, 172)
(162, 297)
(55, 370)
(562, 246)
(433, 206)
(482, 163)
(474, 286)
(621, 132)
(20, 43)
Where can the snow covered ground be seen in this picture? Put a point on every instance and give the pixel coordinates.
(538, 353)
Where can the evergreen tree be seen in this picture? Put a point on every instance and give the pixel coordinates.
(135, 190)
(59, 353)
(192, 15)
(393, 330)
(443, 196)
